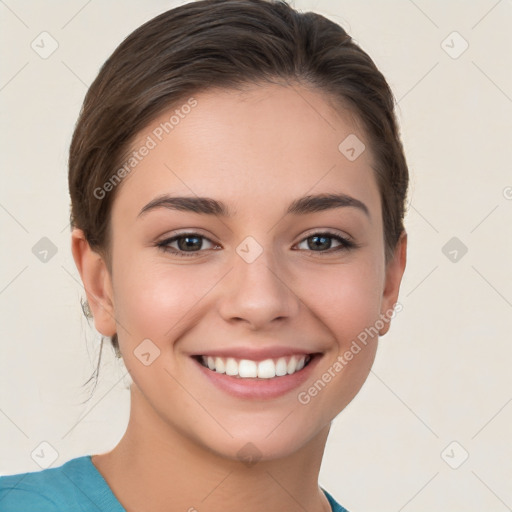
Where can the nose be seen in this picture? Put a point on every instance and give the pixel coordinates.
(258, 293)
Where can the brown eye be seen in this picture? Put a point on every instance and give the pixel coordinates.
(323, 242)
(186, 244)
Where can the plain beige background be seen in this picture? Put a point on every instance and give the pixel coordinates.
(431, 428)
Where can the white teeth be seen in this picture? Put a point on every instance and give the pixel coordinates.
(281, 367)
(266, 369)
(292, 365)
(219, 365)
(231, 367)
(245, 368)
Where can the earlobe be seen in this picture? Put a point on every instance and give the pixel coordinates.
(97, 283)
(394, 271)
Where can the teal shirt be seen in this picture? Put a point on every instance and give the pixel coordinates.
(76, 486)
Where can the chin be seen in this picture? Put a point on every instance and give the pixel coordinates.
(265, 440)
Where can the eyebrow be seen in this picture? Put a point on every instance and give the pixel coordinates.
(300, 206)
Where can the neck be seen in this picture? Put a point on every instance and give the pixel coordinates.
(155, 467)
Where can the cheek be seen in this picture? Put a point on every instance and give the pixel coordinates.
(153, 299)
(347, 301)
(346, 297)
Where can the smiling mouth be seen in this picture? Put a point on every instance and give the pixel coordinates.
(248, 369)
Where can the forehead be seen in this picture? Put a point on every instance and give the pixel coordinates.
(257, 148)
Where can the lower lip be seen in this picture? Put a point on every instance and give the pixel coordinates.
(262, 389)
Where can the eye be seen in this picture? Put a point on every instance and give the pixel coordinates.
(185, 244)
(189, 244)
(322, 242)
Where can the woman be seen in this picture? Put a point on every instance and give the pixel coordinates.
(238, 185)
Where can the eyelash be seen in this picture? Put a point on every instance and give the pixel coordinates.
(345, 243)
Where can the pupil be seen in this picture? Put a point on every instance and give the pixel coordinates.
(325, 245)
(196, 243)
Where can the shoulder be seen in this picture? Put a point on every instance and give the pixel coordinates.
(48, 490)
(335, 506)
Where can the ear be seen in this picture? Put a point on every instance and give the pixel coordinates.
(394, 272)
(97, 283)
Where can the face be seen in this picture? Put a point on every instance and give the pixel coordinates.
(247, 276)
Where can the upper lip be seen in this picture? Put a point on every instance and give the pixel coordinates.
(255, 354)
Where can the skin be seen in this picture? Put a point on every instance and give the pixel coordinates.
(257, 151)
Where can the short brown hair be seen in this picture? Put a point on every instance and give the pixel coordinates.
(226, 44)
